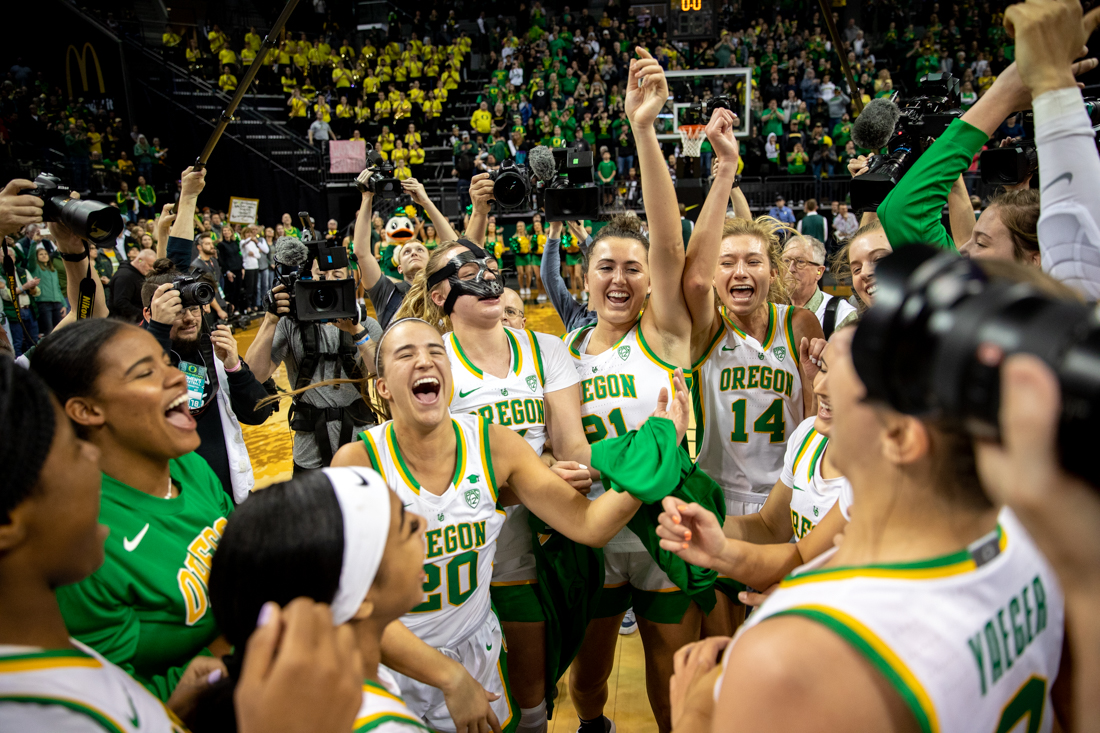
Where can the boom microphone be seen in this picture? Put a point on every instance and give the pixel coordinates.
(290, 251)
(875, 125)
(541, 162)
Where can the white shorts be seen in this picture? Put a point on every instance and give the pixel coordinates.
(638, 569)
(480, 654)
(736, 508)
(514, 560)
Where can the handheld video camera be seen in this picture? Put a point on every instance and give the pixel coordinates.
(572, 195)
(922, 120)
(381, 182)
(314, 301)
(511, 185)
(91, 220)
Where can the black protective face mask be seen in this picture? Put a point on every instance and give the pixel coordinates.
(479, 287)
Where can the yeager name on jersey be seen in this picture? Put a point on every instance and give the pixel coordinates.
(193, 576)
(777, 380)
(1009, 632)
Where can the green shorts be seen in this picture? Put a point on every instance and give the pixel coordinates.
(517, 602)
(522, 260)
(634, 579)
(730, 587)
(572, 258)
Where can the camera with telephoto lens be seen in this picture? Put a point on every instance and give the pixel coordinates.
(930, 345)
(91, 220)
(314, 301)
(193, 290)
(381, 181)
(701, 112)
(511, 185)
(1014, 164)
(573, 196)
(922, 120)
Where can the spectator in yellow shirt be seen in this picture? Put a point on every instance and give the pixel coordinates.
(416, 94)
(362, 112)
(416, 160)
(400, 153)
(379, 149)
(433, 111)
(170, 39)
(450, 79)
(411, 135)
(227, 81)
(383, 110)
(482, 119)
(383, 73)
(401, 171)
(415, 67)
(217, 39)
(403, 108)
(322, 106)
(341, 77)
(317, 57)
(252, 39)
(386, 139)
(370, 84)
(227, 57)
(368, 52)
(289, 81)
(248, 56)
(400, 74)
(393, 95)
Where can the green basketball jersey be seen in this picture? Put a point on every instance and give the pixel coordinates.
(146, 608)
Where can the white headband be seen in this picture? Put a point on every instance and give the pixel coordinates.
(365, 505)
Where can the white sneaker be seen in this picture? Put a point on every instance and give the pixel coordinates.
(541, 298)
(629, 624)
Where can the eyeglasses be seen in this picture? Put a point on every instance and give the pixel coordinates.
(513, 312)
(795, 264)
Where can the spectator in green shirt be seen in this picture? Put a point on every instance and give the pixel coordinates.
(797, 160)
(51, 296)
(606, 171)
(842, 131)
(143, 157)
(146, 197)
(125, 199)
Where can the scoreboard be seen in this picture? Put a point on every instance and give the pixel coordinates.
(690, 20)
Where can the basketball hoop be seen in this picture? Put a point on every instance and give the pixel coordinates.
(691, 139)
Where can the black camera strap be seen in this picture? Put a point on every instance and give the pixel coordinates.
(828, 323)
(87, 289)
(9, 273)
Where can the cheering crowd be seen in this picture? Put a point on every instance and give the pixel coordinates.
(475, 506)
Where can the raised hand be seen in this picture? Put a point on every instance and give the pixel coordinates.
(721, 138)
(679, 409)
(691, 532)
(646, 90)
(1049, 35)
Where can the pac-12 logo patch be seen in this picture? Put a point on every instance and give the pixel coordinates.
(473, 497)
(624, 352)
(532, 382)
(780, 352)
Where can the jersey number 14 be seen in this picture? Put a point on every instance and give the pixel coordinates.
(770, 421)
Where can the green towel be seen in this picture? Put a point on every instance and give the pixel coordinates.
(648, 464)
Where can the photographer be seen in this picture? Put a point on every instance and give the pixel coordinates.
(384, 293)
(219, 401)
(325, 418)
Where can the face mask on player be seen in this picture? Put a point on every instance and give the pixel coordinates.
(479, 286)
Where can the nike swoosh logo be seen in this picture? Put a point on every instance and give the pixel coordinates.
(463, 394)
(134, 720)
(797, 489)
(726, 348)
(131, 545)
(1067, 175)
(693, 206)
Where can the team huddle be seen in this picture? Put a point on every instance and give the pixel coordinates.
(526, 490)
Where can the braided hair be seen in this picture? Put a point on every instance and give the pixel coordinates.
(27, 425)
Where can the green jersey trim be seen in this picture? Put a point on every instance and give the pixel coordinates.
(789, 328)
(99, 717)
(650, 353)
(769, 335)
(539, 368)
(802, 448)
(880, 655)
(816, 457)
(369, 723)
(719, 334)
(955, 563)
(487, 457)
(403, 469)
(47, 659)
(372, 453)
(517, 356)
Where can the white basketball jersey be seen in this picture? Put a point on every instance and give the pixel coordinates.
(463, 525)
(384, 710)
(619, 390)
(515, 401)
(812, 495)
(61, 689)
(971, 641)
(751, 399)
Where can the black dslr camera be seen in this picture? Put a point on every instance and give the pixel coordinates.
(922, 120)
(917, 348)
(193, 290)
(314, 301)
(92, 220)
(511, 185)
(381, 182)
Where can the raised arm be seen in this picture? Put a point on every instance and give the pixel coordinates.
(481, 193)
(441, 223)
(646, 94)
(182, 235)
(706, 240)
(369, 269)
(164, 224)
(556, 290)
(75, 272)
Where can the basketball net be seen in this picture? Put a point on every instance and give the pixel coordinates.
(691, 139)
